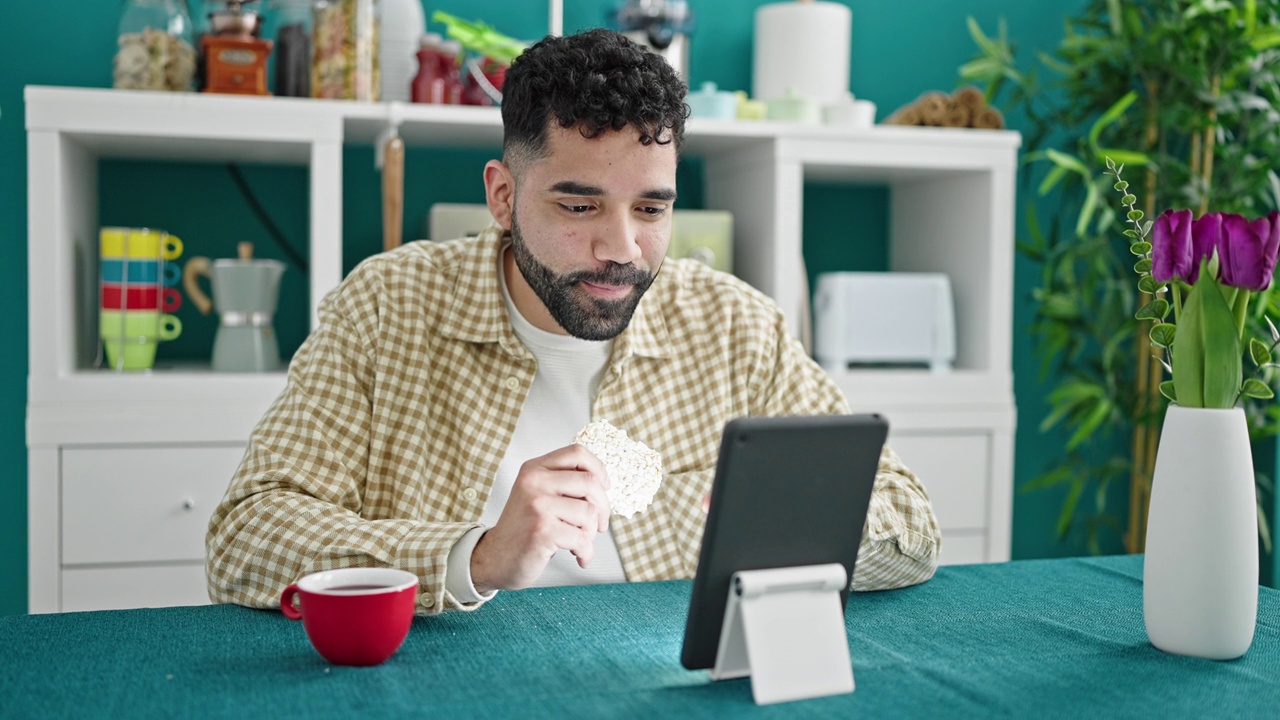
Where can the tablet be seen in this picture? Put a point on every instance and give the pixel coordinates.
(788, 491)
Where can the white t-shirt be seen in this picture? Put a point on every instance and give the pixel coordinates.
(557, 407)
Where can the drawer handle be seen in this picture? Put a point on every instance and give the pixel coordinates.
(188, 504)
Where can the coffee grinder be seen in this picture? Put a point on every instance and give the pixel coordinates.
(662, 26)
(234, 54)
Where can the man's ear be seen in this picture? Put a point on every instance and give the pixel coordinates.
(500, 192)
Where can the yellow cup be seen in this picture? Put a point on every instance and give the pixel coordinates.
(118, 242)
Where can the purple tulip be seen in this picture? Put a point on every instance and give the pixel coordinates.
(1171, 247)
(1207, 235)
(1248, 251)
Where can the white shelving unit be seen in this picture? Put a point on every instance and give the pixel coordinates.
(125, 468)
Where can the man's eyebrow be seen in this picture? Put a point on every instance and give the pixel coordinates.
(572, 187)
(665, 194)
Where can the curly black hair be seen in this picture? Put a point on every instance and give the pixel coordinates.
(596, 80)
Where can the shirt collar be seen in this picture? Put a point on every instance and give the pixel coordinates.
(479, 314)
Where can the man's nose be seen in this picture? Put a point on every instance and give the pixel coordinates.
(617, 241)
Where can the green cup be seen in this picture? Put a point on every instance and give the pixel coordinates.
(130, 337)
(149, 324)
(131, 353)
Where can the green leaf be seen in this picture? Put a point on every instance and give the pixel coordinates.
(1265, 40)
(1052, 178)
(1120, 185)
(1155, 310)
(1206, 358)
(980, 38)
(1092, 199)
(1128, 199)
(1258, 352)
(1112, 114)
(1060, 306)
(1069, 506)
(1150, 285)
(1255, 388)
(1070, 162)
(983, 68)
(1127, 157)
(1162, 335)
(1140, 248)
(1116, 18)
(1134, 215)
(1090, 423)
(1060, 474)
(1111, 165)
(1166, 389)
(1143, 266)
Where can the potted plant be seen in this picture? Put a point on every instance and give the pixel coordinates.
(1185, 93)
(1200, 574)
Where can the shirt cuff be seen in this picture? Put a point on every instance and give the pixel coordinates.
(457, 576)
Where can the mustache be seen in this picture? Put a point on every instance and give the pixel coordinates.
(612, 274)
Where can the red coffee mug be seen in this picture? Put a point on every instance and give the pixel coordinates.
(140, 296)
(354, 616)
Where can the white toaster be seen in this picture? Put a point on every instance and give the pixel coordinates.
(884, 319)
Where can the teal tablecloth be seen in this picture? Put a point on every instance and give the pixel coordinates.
(1035, 639)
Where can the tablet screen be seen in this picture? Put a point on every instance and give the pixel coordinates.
(788, 491)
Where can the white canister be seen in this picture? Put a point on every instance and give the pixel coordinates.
(803, 46)
(403, 25)
(849, 112)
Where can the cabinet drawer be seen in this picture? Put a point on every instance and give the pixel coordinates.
(141, 504)
(133, 587)
(954, 468)
(963, 548)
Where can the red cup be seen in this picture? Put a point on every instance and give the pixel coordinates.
(140, 296)
(354, 616)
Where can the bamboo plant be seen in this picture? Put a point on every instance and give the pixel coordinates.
(1185, 94)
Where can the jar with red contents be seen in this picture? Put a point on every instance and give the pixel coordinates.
(437, 80)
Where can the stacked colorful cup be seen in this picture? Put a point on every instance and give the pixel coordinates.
(137, 294)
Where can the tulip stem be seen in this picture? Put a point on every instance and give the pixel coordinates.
(1175, 291)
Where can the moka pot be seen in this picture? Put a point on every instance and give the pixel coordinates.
(245, 292)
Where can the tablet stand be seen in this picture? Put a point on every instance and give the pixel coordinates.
(784, 627)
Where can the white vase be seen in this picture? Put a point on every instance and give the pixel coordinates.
(1200, 578)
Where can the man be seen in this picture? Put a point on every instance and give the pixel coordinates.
(427, 421)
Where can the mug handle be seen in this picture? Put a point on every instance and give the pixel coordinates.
(286, 603)
(171, 247)
(172, 274)
(194, 268)
(170, 299)
(170, 327)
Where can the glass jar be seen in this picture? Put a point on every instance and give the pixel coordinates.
(155, 47)
(344, 46)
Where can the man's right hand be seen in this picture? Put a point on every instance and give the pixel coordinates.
(558, 502)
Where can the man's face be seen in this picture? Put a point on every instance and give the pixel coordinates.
(590, 227)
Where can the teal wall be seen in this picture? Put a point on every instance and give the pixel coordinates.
(899, 50)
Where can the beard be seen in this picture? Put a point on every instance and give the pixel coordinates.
(581, 315)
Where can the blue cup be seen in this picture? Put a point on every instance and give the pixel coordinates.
(139, 271)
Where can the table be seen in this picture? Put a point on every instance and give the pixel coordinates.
(1043, 638)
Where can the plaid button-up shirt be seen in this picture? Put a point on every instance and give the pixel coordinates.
(383, 447)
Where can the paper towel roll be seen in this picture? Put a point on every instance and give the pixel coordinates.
(802, 45)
